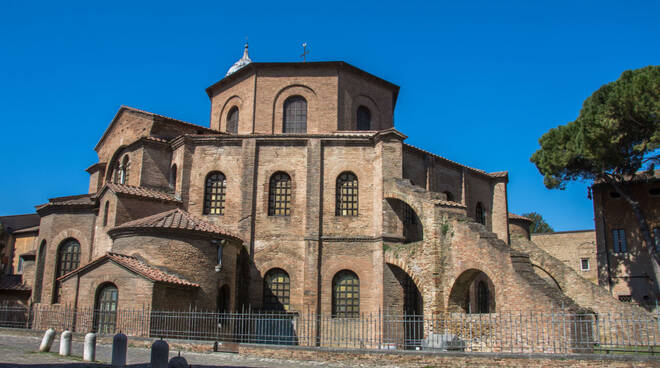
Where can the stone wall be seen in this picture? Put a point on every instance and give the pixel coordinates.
(571, 247)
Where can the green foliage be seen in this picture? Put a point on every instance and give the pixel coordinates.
(616, 134)
(539, 225)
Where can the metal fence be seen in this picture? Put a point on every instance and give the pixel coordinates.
(518, 332)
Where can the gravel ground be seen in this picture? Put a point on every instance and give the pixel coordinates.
(19, 350)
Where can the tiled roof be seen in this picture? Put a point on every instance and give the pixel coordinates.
(17, 222)
(27, 230)
(136, 266)
(445, 159)
(72, 201)
(141, 192)
(499, 174)
(176, 219)
(513, 216)
(13, 282)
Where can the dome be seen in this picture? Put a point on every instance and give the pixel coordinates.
(245, 60)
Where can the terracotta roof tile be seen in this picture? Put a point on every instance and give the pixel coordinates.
(136, 266)
(141, 192)
(445, 159)
(72, 201)
(27, 230)
(499, 174)
(176, 219)
(13, 282)
(513, 216)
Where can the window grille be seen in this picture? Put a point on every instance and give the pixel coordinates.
(363, 118)
(625, 298)
(295, 115)
(584, 264)
(346, 295)
(483, 297)
(106, 309)
(214, 194)
(232, 120)
(480, 214)
(68, 259)
(277, 288)
(123, 171)
(347, 195)
(279, 195)
(619, 239)
(408, 215)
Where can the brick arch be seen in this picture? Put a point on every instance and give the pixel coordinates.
(414, 232)
(547, 276)
(368, 102)
(389, 258)
(233, 101)
(293, 90)
(414, 203)
(109, 167)
(461, 286)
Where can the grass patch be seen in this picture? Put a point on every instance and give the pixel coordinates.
(627, 350)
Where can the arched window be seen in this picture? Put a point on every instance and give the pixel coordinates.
(41, 260)
(214, 194)
(480, 215)
(295, 115)
(105, 213)
(123, 171)
(68, 259)
(276, 290)
(363, 118)
(347, 194)
(105, 309)
(173, 177)
(232, 120)
(483, 297)
(345, 295)
(279, 195)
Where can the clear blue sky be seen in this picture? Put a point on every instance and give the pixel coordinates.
(480, 81)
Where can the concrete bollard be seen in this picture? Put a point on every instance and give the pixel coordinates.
(65, 343)
(89, 349)
(47, 341)
(119, 347)
(178, 362)
(160, 352)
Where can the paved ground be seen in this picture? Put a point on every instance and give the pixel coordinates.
(17, 350)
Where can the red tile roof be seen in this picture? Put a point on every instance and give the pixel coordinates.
(176, 219)
(136, 266)
(81, 200)
(140, 192)
(513, 216)
(446, 159)
(13, 283)
(499, 174)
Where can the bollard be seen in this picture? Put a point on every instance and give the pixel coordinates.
(178, 362)
(89, 350)
(47, 341)
(160, 351)
(119, 346)
(65, 343)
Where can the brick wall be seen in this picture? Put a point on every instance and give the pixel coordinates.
(571, 247)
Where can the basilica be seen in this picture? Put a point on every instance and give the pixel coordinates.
(300, 195)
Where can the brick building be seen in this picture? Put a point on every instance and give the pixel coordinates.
(624, 266)
(301, 196)
(18, 238)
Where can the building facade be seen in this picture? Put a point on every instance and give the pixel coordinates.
(300, 197)
(624, 266)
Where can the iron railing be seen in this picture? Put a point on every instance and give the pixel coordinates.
(517, 332)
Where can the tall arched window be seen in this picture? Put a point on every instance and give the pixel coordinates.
(363, 118)
(173, 177)
(345, 295)
(295, 115)
(41, 260)
(105, 213)
(483, 297)
(480, 215)
(121, 175)
(68, 259)
(232, 120)
(347, 194)
(105, 309)
(277, 286)
(279, 195)
(214, 193)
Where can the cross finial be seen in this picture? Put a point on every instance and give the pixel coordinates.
(305, 52)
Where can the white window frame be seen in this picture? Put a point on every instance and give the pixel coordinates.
(588, 264)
